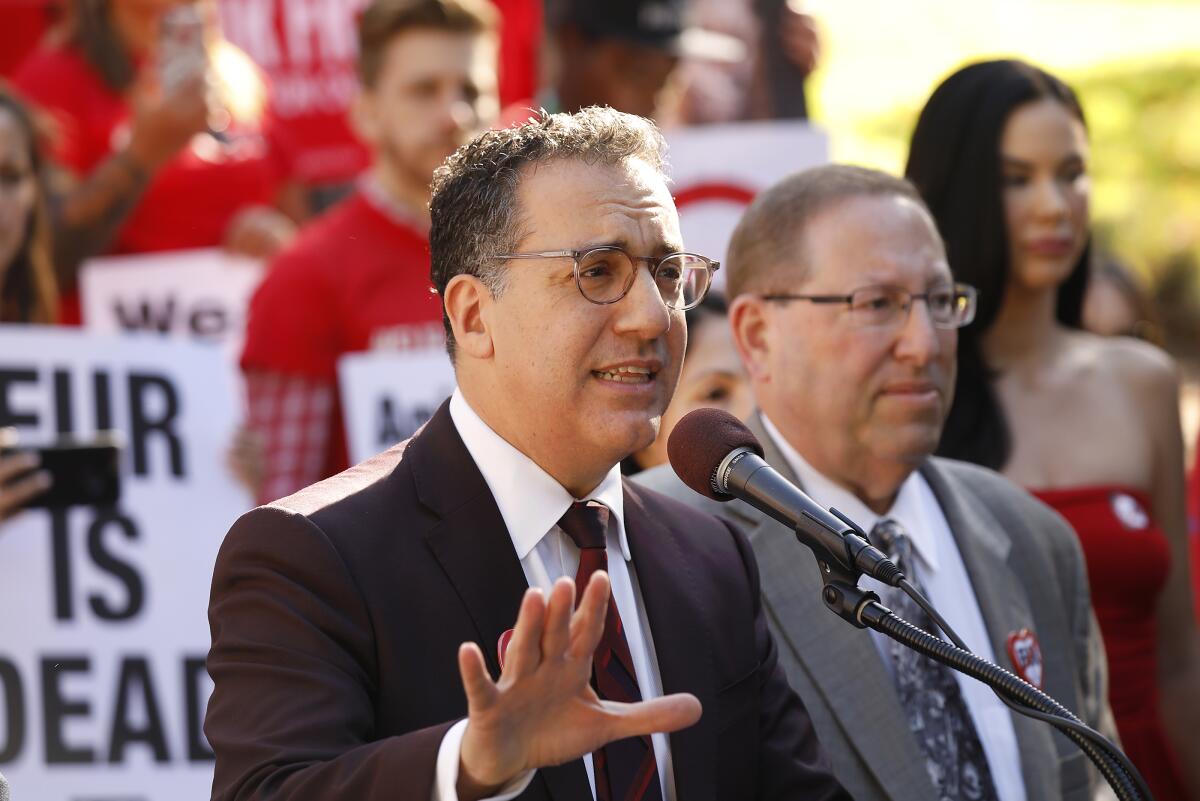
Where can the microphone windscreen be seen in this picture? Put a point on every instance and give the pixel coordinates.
(700, 441)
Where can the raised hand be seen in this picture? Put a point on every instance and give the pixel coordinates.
(258, 232)
(16, 492)
(543, 711)
(166, 118)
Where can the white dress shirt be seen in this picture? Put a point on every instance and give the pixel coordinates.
(939, 568)
(531, 503)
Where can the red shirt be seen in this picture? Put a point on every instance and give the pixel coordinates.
(520, 41)
(309, 51)
(22, 24)
(353, 278)
(1193, 502)
(190, 201)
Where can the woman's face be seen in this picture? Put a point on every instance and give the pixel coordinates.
(712, 377)
(18, 188)
(1043, 162)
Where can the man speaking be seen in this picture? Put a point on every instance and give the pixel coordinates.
(406, 628)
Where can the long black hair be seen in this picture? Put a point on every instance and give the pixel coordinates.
(954, 160)
(28, 291)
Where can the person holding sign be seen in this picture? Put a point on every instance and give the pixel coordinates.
(405, 629)
(358, 277)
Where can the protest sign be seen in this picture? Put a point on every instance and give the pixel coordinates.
(718, 169)
(103, 629)
(387, 395)
(198, 294)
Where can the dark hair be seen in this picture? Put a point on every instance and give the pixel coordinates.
(954, 160)
(474, 210)
(28, 293)
(91, 31)
(767, 246)
(384, 20)
(712, 307)
(1147, 323)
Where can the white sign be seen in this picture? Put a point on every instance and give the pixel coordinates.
(718, 169)
(103, 628)
(387, 395)
(199, 294)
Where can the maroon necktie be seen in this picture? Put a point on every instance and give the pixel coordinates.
(625, 769)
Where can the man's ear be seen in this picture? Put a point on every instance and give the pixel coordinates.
(364, 117)
(748, 321)
(467, 300)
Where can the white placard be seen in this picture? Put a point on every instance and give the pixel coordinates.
(718, 169)
(387, 395)
(103, 629)
(198, 294)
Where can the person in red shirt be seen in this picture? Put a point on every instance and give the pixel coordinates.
(358, 276)
(309, 52)
(23, 23)
(168, 137)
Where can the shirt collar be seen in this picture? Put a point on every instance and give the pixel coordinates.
(530, 500)
(911, 509)
(378, 198)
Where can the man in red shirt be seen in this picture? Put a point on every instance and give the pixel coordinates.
(309, 51)
(358, 276)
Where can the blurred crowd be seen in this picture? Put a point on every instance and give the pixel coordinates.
(307, 133)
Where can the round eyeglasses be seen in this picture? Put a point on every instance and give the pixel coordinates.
(605, 274)
(950, 305)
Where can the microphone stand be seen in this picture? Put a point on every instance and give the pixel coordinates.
(861, 608)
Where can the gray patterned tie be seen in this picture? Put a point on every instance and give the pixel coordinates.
(930, 697)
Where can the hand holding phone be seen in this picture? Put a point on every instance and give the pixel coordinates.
(182, 56)
(67, 473)
(20, 482)
(171, 99)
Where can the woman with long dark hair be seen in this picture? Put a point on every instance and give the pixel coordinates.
(27, 288)
(1090, 424)
(27, 292)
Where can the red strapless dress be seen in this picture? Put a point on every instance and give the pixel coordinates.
(1127, 562)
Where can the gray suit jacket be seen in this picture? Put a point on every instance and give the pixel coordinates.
(1028, 572)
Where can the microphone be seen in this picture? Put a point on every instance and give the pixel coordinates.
(717, 456)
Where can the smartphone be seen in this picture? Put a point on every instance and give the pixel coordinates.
(181, 52)
(82, 473)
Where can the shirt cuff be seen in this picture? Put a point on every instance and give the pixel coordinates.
(445, 781)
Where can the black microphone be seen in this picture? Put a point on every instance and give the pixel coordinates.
(717, 456)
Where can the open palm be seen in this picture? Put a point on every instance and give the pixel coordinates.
(543, 711)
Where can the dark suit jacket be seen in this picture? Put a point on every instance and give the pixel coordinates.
(337, 613)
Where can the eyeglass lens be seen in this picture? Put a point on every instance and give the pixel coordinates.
(606, 274)
(949, 306)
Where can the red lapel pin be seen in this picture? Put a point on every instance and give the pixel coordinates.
(502, 646)
(1026, 656)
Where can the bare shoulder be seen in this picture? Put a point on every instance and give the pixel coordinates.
(1141, 368)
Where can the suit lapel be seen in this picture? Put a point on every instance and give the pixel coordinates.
(678, 615)
(474, 549)
(844, 665)
(987, 554)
